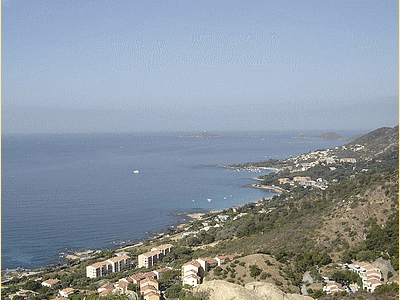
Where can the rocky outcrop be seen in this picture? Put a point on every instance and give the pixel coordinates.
(222, 290)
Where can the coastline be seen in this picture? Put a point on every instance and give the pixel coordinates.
(76, 256)
(271, 188)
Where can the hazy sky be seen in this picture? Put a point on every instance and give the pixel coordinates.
(83, 66)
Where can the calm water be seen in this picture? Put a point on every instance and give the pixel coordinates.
(79, 191)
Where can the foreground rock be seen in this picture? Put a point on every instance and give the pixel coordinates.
(222, 290)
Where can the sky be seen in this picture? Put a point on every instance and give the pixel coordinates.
(111, 66)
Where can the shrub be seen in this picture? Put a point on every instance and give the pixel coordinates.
(218, 271)
(387, 288)
(173, 291)
(254, 271)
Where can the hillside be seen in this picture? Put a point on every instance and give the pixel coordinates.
(339, 208)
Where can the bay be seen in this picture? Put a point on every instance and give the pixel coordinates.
(79, 190)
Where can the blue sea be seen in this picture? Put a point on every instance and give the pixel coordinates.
(62, 191)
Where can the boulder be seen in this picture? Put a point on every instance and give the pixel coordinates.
(222, 290)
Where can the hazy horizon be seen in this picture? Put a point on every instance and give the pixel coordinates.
(132, 66)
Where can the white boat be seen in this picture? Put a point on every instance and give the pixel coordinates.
(209, 199)
(136, 172)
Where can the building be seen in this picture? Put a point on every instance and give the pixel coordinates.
(121, 286)
(371, 284)
(192, 272)
(50, 282)
(349, 160)
(111, 265)
(159, 272)
(149, 288)
(301, 179)
(284, 180)
(165, 249)
(105, 289)
(333, 287)
(98, 269)
(149, 259)
(120, 263)
(66, 292)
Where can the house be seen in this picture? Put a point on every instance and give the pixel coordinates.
(371, 284)
(212, 262)
(66, 292)
(149, 282)
(349, 160)
(159, 272)
(374, 273)
(105, 289)
(333, 287)
(149, 293)
(106, 286)
(283, 180)
(50, 282)
(149, 289)
(301, 179)
(121, 286)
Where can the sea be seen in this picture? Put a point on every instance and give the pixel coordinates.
(79, 191)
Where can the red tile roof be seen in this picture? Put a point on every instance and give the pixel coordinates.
(193, 263)
(51, 281)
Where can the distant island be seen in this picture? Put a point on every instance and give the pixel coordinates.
(331, 136)
(203, 134)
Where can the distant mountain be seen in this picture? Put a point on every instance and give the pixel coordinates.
(381, 136)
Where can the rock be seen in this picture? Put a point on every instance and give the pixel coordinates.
(222, 290)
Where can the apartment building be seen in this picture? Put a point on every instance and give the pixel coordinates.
(191, 273)
(120, 263)
(156, 254)
(98, 269)
(111, 265)
(149, 259)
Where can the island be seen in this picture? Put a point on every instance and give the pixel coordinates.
(330, 136)
(203, 134)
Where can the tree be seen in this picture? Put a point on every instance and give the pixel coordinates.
(168, 277)
(173, 291)
(32, 285)
(254, 271)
